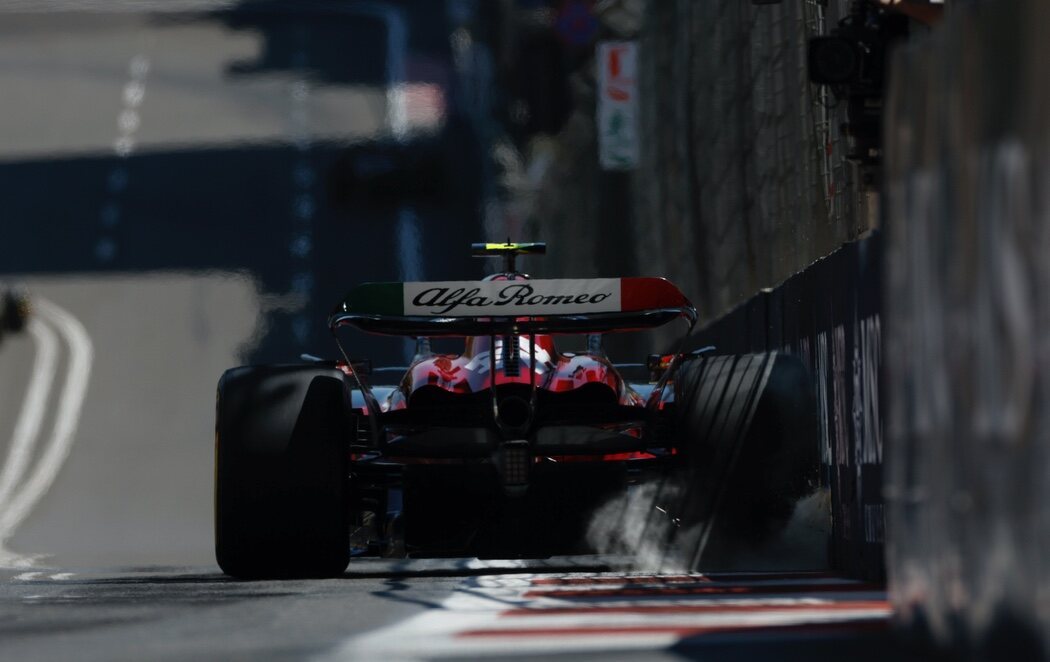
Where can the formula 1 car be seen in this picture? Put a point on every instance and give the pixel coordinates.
(503, 449)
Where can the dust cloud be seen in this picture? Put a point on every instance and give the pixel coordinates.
(646, 525)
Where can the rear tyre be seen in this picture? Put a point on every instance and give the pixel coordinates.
(748, 437)
(281, 472)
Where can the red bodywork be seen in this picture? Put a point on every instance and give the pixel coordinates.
(471, 371)
(538, 363)
(510, 427)
(462, 406)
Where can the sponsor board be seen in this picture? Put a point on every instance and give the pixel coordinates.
(617, 112)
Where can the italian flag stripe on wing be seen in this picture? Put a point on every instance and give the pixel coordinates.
(649, 293)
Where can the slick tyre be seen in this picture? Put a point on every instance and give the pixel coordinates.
(748, 437)
(281, 472)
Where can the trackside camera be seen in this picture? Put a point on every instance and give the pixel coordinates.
(851, 61)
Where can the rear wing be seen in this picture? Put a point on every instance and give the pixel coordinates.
(496, 307)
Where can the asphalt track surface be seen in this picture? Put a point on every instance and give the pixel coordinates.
(166, 201)
(437, 610)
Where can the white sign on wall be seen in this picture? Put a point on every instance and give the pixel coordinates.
(617, 105)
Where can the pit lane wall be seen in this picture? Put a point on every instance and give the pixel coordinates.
(967, 313)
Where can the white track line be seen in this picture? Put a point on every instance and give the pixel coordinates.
(67, 415)
(31, 417)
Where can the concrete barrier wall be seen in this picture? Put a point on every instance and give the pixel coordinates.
(829, 315)
(967, 312)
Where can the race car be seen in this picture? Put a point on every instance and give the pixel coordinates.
(504, 448)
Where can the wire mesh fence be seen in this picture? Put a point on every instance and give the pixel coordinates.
(744, 178)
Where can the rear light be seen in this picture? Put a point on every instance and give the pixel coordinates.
(515, 457)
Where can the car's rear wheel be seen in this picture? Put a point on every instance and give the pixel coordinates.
(281, 472)
(748, 438)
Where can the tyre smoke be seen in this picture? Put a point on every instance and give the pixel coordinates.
(646, 525)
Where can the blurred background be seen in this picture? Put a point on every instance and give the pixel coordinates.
(195, 184)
